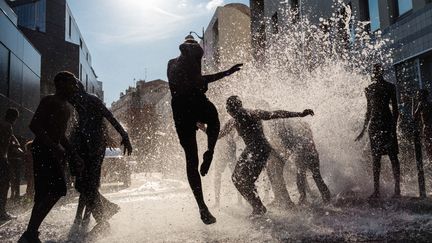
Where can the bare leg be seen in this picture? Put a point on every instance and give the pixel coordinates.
(189, 143)
(275, 167)
(301, 183)
(246, 173)
(217, 187)
(40, 210)
(376, 175)
(396, 173)
(322, 187)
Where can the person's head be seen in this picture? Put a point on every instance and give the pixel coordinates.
(66, 84)
(12, 115)
(377, 71)
(191, 49)
(422, 95)
(233, 105)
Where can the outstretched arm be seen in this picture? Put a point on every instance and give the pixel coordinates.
(118, 127)
(214, 77)
(227, 128)
(269, 115)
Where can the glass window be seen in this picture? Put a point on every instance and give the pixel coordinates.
(32, 15)
(374, 15)
(4, 70)
(404, 6)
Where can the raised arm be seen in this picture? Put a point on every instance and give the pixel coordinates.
(214, 77)
(227, 128)
(269, 115)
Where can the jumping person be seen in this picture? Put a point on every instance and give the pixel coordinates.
(6, 139)
(50, 148)
(382, 127)
(190, 105)
(248, 124)
(90, 141)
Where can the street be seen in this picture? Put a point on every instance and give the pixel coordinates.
(163, 210)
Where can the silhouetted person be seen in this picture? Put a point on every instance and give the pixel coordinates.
(248, 124)
(190, 105)
(382, 127)
(423, 111)
(50, 148)
(6, 138)
(227, 158)
(297, 138)
(89, 139)
(15, 159)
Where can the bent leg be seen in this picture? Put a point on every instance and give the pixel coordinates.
(245, 174)
(40, 210)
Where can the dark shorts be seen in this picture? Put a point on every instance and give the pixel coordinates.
(187, 111)
(49, 177)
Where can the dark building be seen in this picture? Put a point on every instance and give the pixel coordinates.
(51, 27)
(20, 65)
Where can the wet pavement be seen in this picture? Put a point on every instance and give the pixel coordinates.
(163, 210)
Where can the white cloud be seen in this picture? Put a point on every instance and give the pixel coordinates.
(213, 4)
(135, 21)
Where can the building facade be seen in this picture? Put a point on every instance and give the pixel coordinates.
(145, 111)
(227, 38)
(20, 71)
(52, 29)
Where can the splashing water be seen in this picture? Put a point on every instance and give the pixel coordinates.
(324, 67)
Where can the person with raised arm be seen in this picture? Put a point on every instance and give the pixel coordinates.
(190, 106)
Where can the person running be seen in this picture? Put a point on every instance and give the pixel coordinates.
(297, 138)
(382, 127)
(423, 111)
(50, 148)
(190, 106)
(90, 141)
(248, 124)
(6, 139)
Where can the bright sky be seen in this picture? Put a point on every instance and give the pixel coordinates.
(128, 37)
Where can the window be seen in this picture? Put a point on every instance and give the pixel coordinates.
(404, 6)
(374, 15)
(80, 75)
(81, 43)
(275, 24)
(70, 26)
(32, 15)
(86, 82)
(4, 70)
